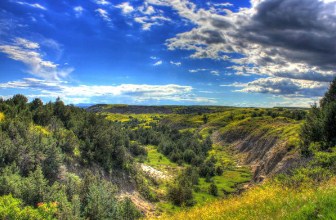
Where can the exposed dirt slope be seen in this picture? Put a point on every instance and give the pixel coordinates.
(268, 146)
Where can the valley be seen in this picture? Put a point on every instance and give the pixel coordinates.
(248, 144)
(183, 162)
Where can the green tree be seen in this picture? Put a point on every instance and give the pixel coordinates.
(35, 187)
(36, 104)
(101, 202)
(319, 128)
(213, 189)
(128, 211)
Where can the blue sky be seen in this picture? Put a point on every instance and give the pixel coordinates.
(185, 52)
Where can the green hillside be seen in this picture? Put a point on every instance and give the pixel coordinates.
(64, 162)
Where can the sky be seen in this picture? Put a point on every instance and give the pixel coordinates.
(261, 53)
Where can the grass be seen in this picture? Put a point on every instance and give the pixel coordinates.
(226, 183)
(240, 121)
(158, 161)
(271, 201)
(280, 127)
(144, 119)
(185, 121)
(229, 181)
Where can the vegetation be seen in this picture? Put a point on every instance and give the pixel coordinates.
(47, 152)
(270, 201)
(319, 131)
(64, 162)
(306, 191)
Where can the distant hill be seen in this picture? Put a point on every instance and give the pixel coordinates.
(83, 105)
(164, 109)
(138, 109)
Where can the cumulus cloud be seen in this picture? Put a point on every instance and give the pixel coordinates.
(28, 52)
(291, 39)
(275, 36)
(125, 7)
(283, 86)
(83, 93)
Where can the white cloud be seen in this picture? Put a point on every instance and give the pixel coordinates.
(289, 39)
(28, 52)
(149, 21)
(176, 63)
(215, 72)
(102, 2)
(26, 43)
(283, 86)
(154, 58)
(84, 93)
(34, 5)
(198, 70)
(125, 7)
(103, 14)
(217, 36)
(225, 4)
(147, 9)
(158, 63)
(235, 84)
(146, 15)
(78, 10)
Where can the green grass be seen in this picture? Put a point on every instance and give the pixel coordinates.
(232, 178)
(226, 183)
(129, 117)
(157, 160)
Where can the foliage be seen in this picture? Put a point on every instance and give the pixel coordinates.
(12, 208)
(213, 189)
(271, 201)
(320, 127)
(181, 193)
(39, 141)
(128, 211)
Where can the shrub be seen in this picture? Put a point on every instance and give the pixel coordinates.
(213, 189)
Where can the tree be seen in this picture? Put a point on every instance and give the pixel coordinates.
(319, 128)
(19, 100)
(52, 163)
(330, 95)
(181, 193)
(128, 211)
(205, 119)
(101, 202)
(213, 189)
(35, 187)
(35, 104)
